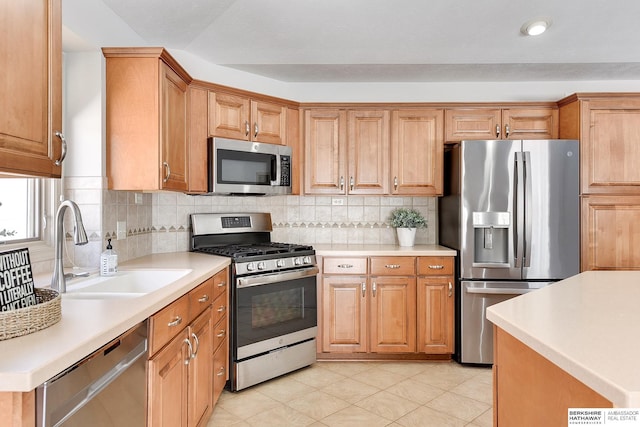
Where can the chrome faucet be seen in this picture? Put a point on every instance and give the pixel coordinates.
(58, 281)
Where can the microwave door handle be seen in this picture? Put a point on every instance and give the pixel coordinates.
(275, 172)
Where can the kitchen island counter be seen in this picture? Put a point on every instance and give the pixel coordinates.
(585, 325)
(86, 325)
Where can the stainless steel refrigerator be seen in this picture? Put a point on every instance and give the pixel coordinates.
(511, 209)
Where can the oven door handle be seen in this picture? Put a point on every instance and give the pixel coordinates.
(265, 279)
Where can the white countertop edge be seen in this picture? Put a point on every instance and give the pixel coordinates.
(381, 250)
(620, 397)
(24, 373)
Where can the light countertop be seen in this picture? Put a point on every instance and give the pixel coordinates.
(86, 325)
(588, 326)
(382, 250)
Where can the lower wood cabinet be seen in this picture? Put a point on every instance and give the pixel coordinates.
(188, 349)
(380, 305)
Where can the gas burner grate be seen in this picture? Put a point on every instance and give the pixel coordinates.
(256, 249)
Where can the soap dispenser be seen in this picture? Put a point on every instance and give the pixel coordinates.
(108, 261)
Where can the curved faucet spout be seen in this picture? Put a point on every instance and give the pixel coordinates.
(58, 281)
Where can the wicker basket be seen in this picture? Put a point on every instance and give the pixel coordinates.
(24, 321)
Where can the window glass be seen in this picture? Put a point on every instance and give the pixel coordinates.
(20, 209)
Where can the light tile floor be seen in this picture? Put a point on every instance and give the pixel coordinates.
(370, 394)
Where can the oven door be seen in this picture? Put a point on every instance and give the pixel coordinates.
(273, 311)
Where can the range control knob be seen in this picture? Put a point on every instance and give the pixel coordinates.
(251, 266)
(261, 265)
(280, 263)
(307, 260)
(297, 261)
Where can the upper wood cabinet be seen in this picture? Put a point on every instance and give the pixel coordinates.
(238, 117)
(608, 128)
(501, 123)
(417, 147)
(146, 108)
(31, 93)
(198, 133)
(325, 133)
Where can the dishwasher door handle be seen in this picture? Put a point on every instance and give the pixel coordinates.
(98, 385)
(500, 291)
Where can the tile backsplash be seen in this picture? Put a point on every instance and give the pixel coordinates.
(159, 222)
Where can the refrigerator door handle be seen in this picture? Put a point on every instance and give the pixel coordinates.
(518, 229)
(500, 291)
(527, 212)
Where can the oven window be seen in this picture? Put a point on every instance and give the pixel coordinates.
(277, 307)
(274, 309)
(239, 167)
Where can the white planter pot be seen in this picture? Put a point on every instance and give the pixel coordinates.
(406, 236)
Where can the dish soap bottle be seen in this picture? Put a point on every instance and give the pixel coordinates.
(108, 261)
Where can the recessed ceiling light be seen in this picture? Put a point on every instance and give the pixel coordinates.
(535, 27)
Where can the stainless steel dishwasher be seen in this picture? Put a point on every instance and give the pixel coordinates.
(107, 388)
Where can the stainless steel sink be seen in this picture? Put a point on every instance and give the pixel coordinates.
(124, 284)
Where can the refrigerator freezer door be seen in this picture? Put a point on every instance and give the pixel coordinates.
(476, 332)
(488, 237)
(552, 209)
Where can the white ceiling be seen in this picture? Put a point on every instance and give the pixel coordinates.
(398, 40)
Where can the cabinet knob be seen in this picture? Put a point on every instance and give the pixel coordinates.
(373, 289)
(246, 128)
(189, 356)
(203, 298)
(351, 183)
(222, 284)
(395, 182)
(345, 265)
(497, 131)
(63, 154)
(436, 267)
(507, 130)
(197, 341)
(342, 183)
(255, 129)
(364, 289)
(450, 289)
(220, 371)
(221, 308)
(392, 266)
(222, 333)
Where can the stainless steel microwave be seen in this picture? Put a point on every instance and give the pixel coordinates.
(244, 167)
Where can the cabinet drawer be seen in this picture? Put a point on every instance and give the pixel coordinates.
(220, 307)
(393, 266)
(220, 283)
(435, 266)
(344, 265)
(200, 298)
(220, 370)
(220, 332)
(167, 323)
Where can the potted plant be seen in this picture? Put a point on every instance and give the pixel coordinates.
(406, 221)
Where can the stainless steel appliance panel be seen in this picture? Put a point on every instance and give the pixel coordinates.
(552, 206)
(487, 196)
(476, 331)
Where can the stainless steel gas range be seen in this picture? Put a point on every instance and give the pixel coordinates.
(273, 308)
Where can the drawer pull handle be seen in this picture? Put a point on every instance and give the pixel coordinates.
(175, 322)
(203, 298)
(394, 266)
(221, 371)
(436, 267)
(345, 265)
(222, 284)
(221, 308)
(222, 333)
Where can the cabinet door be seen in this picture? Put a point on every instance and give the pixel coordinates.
(344, 317)
(435, 314)
(472, 123)
(31, 93)
(610, 233)
(229, 116)
(198, 133)
(393, 314)
(174, 130)
(609, 146)
(200, 369)
(368, 152)
(530, 123)
(268, 122)
(417, 147)
(325, 152)
(168, 384)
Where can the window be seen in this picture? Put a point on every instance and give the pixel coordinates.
(20, 210)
